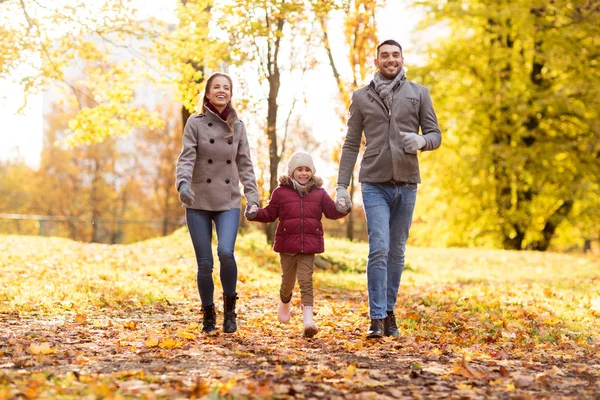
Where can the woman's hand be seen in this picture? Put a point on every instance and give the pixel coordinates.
(251, 211)
(186, 195)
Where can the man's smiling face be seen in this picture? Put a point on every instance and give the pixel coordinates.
(389, 61)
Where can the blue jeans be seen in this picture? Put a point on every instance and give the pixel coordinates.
(199, 224)
(389, 210)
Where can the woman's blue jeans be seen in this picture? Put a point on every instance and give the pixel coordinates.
(389, 210)
(200, 224)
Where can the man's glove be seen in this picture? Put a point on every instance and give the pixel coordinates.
(186, 195)
(251, 211)
(413, 142)
(342, 199)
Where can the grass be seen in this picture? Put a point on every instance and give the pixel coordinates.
(53, 276)
(139, 304)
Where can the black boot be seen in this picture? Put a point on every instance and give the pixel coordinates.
(209, 318)
(376, 329)
(229, 324)
(389, 325)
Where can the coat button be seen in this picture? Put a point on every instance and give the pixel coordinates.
(210, 124)
(226, 180)
(210, 161)
(208, 180)
(230, 141)
(228, 161)
(212, 140)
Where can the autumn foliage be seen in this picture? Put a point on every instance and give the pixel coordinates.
(122, 321)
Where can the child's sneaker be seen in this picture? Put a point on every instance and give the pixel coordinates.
(283, 314)
(310, 328)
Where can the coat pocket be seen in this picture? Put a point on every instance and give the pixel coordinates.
(371, 152)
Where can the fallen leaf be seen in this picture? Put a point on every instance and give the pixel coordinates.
(43, 348)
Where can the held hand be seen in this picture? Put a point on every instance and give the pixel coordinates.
(413, 142)
(251, 211)
(342, 199)
(186, 195)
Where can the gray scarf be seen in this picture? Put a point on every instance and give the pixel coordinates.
(302, 188)
(385, 87)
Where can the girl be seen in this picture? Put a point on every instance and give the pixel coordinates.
(214, 159)
(298, 202)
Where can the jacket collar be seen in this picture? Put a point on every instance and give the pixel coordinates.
(314, 183)
(373, 92)
(213, 115)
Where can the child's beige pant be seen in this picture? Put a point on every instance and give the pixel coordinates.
(302, 266)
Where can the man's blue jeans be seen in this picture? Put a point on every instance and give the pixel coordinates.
(389, 210)
(199, 223)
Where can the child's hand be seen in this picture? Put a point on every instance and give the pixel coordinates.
(251, 211)
(342, 199)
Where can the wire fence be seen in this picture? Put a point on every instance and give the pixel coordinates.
(99, 230)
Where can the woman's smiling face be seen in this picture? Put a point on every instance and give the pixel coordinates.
(219, 92)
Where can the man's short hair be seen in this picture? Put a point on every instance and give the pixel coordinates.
(391, 42)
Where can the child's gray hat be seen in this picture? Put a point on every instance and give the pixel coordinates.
(300, 159)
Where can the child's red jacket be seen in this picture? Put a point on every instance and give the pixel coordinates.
(299, 229)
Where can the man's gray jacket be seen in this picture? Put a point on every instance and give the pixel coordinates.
(384, 159)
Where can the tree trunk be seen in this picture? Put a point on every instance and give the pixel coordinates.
(274, 157)
(551, 224)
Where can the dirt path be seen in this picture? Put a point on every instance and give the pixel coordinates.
(158, 352)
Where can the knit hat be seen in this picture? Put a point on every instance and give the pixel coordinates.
(300, 159)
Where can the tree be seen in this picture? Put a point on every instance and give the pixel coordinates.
(360, 32)
(47, 41)
(517, 89)
(85, 177)
(157, 149)
(256, 31)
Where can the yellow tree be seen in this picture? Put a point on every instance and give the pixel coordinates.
(517, 88)
(258, 31)
(157, 149)
(44, 42)
(360, 34)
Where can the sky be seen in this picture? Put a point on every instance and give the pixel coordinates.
(21, 134)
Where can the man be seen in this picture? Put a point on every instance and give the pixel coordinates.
(389, 111)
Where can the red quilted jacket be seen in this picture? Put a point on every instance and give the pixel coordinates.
(299, 229)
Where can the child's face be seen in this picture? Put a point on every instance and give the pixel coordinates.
(302, 175)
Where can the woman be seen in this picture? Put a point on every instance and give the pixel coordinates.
(214, 159)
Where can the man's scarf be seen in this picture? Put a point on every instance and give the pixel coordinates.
(385, 87)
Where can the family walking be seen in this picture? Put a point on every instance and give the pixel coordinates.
(215, 159)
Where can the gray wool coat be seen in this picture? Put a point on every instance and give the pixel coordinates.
(384, 159)
(214, 164)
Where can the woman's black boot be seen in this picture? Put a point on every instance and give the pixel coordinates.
(209, 318)
(229, 323)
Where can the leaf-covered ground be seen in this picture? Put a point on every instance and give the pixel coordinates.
(114, 322)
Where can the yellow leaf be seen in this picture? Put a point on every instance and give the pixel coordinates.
(169, 343)
(130, 325)
(81, 318)
(186, 335)
(43, 348)
(152, 341)
(350, 371)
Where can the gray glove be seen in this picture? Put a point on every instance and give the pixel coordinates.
(342, 199)
(186, 195)
(413, 142)
(251, 210)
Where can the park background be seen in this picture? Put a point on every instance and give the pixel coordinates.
(106, 88)
(500, 295)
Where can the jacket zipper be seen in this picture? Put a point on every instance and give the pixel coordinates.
(301, 223)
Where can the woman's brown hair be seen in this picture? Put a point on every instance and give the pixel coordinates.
(232, 114)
